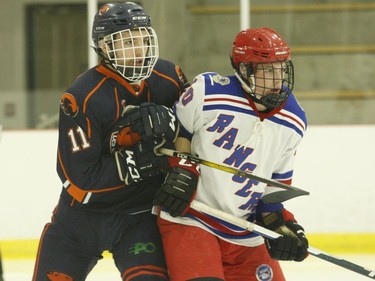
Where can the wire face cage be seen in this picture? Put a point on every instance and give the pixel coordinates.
(133, 52)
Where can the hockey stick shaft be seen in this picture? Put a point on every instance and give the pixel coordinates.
(244, 224)
(277, 197)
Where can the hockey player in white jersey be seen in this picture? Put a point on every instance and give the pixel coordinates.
(250, 121)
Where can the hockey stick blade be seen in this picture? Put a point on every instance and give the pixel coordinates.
(264, 232)
(278, 197)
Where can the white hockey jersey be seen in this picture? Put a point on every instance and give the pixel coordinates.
(226, 128)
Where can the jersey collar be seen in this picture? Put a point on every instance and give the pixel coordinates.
(111, 74)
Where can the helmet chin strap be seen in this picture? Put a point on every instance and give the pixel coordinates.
(102, 55)
(274, 100)
(270, 101)
(249, 89)
(244, 85)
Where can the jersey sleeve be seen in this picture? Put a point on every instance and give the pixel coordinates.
(189, 108)
(82, 165)
(284, 167)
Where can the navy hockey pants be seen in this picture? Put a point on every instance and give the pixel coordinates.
(74, 241)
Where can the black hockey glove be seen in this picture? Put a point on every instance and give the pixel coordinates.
(179, 188)
(139, 162)
(151, 120)
(292, 245)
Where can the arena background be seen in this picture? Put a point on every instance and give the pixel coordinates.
(45, 46)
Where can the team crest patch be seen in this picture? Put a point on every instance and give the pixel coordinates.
(69, 105)
(221, 80)
(264, 272)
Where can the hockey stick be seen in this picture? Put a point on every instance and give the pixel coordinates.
(244, 224)
(274, 197)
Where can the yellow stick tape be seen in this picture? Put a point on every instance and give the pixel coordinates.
(22, 249)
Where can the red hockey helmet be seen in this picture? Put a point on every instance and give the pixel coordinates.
(254, 48)
(259, 45)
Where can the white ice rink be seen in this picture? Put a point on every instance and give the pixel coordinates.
(311, 269)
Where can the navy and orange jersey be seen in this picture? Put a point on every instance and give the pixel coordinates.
(89, 109)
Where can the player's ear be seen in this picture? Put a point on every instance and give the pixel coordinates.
(102, 46)
(243, 70)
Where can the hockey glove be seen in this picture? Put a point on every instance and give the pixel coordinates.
(151, 120)
(121, 138)
(292, 245)
(179, 188)
(139, 162)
